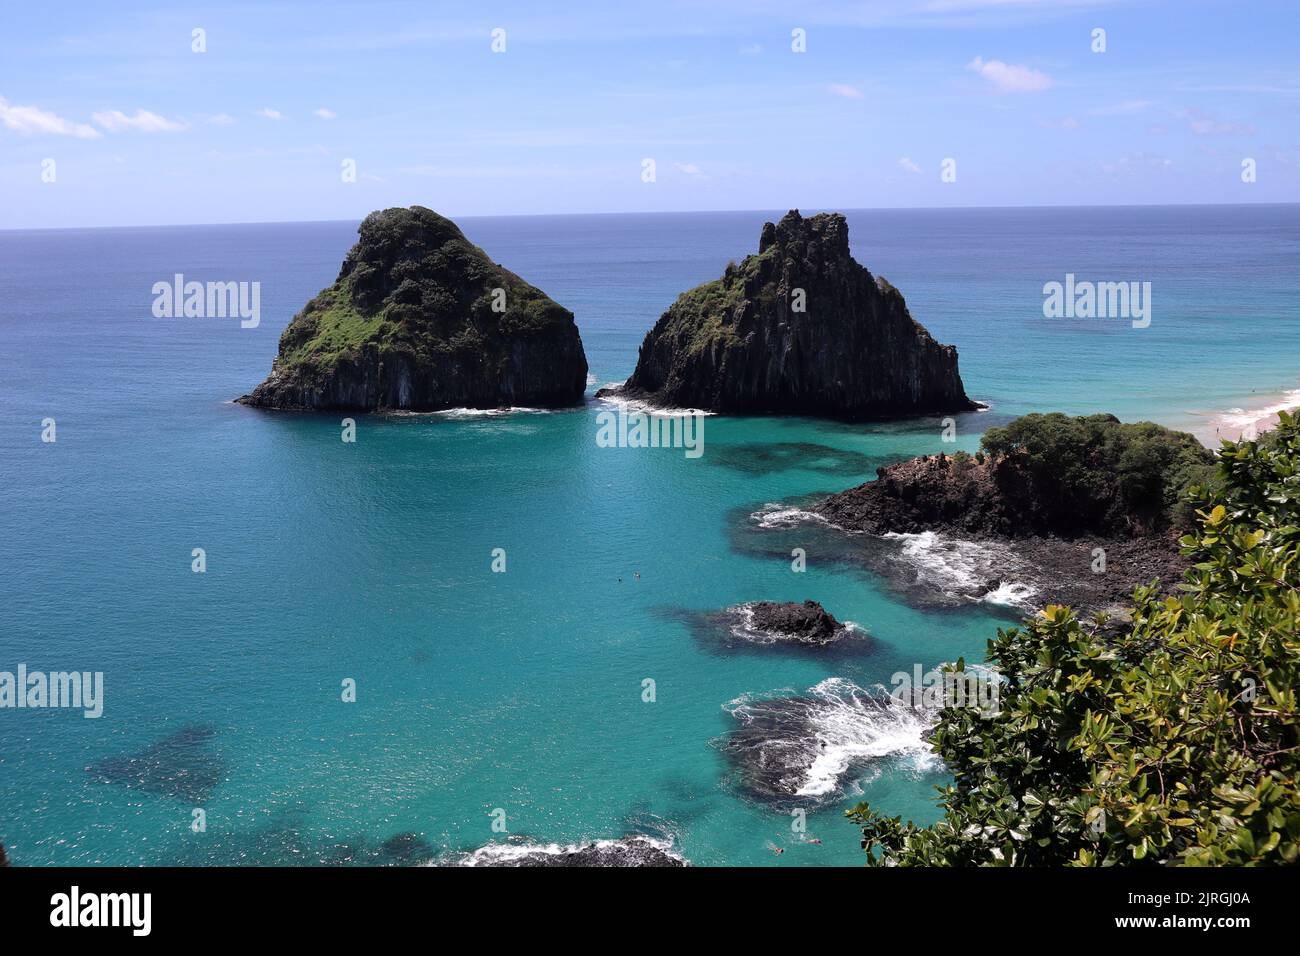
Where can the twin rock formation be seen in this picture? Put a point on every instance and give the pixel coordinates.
(421, 319)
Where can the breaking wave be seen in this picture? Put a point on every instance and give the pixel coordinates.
(813, 746)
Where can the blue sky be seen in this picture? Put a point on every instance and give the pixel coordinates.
(143, 130)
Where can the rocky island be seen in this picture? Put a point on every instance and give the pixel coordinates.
(421, 319)
(1092, 507)
(800, 328)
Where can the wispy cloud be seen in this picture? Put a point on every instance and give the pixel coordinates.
(1010, 77)
(270, 114)
(115, 121)
(753, 49)
(908, 165)
(1125, 108)
(323, 113)
(1131, 163)
(32, 120)
(222, 119)
(846, 91)
(690, 169)
(1203, 124)
(1065, 122)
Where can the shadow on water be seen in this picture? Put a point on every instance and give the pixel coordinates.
(765, 458)
(180, 766)
(287, 841)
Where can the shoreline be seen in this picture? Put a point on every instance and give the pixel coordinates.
(1237, 423)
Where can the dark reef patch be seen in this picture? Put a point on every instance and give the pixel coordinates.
(180, 765)
(766, 458)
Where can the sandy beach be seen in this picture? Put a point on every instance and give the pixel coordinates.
(1238, 423)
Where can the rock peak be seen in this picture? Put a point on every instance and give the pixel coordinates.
(420, 318)
(800, 328)
(828, 230)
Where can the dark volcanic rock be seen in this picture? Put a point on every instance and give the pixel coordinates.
(800, 328)
(630, 851)
(1054, 514)
(421, 319)
(806, 623)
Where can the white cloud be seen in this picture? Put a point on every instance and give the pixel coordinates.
(1009, 77)
(1065, 122)
(754, 49)
(324, 114)
(30, 120)
(115, 121)
(269, 113)
(846, 91)
(690, 169)
(908, 165)
(222, 119)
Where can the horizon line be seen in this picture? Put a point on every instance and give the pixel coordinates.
(666, 212)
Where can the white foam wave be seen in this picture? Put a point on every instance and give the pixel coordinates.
(633, 405)
(961, 569)
(840, 726)
(851, 725)
(458, 414)
(774, 515)
(1010, 594)
(497, 854)
(1240, 422)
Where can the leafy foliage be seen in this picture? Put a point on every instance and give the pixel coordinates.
(1104, 474)
(1174, 739)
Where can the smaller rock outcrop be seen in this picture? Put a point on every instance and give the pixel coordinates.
(1089, 507)
(806, 623)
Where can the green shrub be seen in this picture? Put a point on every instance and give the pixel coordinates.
(1103, 474)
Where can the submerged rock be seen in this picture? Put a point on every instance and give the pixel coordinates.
(180, 765)
(421, 319)
(799, 328)
(807, 748)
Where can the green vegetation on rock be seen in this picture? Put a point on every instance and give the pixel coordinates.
(419, 317)
(1103, 471)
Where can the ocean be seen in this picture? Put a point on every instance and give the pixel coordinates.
(585, 693)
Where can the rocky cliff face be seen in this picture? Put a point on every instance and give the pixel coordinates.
(421, 319)
(1040, 475)
(799, 328)
(1084, 505)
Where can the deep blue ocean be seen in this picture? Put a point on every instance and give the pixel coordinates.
(371, 561)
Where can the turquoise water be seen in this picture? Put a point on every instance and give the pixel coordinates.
(372, 561)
